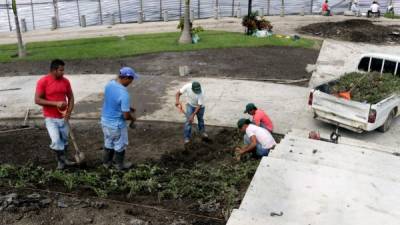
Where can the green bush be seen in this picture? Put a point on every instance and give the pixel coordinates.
(391, 16)
(254, 22)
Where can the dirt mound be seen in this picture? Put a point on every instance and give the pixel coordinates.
(354, 31)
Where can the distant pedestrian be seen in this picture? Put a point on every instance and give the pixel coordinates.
(326, 11)
(115, 112)
(374, 10)
(260, 118)
(194, 107)
(257, 140)
(355, 9)
(54, 94)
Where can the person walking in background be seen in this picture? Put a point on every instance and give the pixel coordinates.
(115, 112)
(54, 94)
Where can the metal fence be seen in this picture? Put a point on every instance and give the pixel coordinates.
(41, 14)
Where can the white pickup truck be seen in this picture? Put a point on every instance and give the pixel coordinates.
(359, 116)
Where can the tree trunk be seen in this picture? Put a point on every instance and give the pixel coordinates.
(249, 9)
(186, 35)
(21, 48)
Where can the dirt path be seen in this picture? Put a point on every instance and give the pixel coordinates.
(253, 63)
(357, 30)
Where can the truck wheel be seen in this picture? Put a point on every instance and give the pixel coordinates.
(389, 120)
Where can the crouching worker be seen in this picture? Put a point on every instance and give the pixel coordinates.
(257, 140)
(54, 94)
(115, 112)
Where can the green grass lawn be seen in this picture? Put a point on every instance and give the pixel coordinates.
(115, 47)
(391, 16)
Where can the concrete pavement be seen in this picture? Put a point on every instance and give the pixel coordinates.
(154, 98)
(315, 182)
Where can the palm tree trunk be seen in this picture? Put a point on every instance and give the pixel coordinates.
(186, 35)
(21, 48)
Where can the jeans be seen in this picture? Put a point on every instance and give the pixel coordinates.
(115, 138)
(200, 118)
(58, 131)
(260, 151)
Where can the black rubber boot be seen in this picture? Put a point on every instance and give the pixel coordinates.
(119, 161)
(60, 160)
(66, 161)
(108, 155)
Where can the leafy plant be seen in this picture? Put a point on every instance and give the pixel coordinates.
(254, 22)
(391, 15)
(194, 30)
(368, 87)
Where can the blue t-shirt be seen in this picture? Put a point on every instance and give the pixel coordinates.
(116, 102)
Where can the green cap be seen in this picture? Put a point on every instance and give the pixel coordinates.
(242, 122)
(250, 107)
(196, 88)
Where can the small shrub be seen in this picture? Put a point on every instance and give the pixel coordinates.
(391, 15)
(254, 22)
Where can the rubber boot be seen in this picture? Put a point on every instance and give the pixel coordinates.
(108, 155)
(66, 161)
(60, 161)
(119, 161)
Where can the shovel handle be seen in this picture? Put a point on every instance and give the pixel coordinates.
(71, 134)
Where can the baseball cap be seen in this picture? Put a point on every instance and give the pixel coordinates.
(128, 72)
(250, 107)
(242, 122)
(196, 87)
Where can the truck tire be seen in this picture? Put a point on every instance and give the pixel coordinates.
(388, 122)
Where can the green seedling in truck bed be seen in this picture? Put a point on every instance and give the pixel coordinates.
(370, 87)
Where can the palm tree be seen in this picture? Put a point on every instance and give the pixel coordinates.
(21, 48)
(186, 35)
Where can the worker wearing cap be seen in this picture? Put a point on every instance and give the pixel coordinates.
(194, 107)
(115, 112)
(54, 94)
(260, 140)
(260, 118)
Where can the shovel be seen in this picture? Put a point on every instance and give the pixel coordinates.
(24, 124)
(79, 156)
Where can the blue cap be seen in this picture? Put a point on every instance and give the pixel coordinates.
(128, 72)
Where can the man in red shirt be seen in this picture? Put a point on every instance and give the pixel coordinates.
(260, 118)
(54, 93)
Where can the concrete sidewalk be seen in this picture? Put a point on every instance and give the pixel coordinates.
(153, 96)
(286, 25)
(316, 182)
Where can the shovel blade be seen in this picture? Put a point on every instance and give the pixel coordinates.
(79, 157)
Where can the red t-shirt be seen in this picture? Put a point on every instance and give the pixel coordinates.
(260, 117)
(53, 90)
(325, 7)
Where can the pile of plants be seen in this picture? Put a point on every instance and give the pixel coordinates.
(367, 87)
(254, 22)
(202, 183)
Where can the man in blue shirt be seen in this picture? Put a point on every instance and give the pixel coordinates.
(115, 112)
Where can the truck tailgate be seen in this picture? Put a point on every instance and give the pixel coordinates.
(346, 109)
